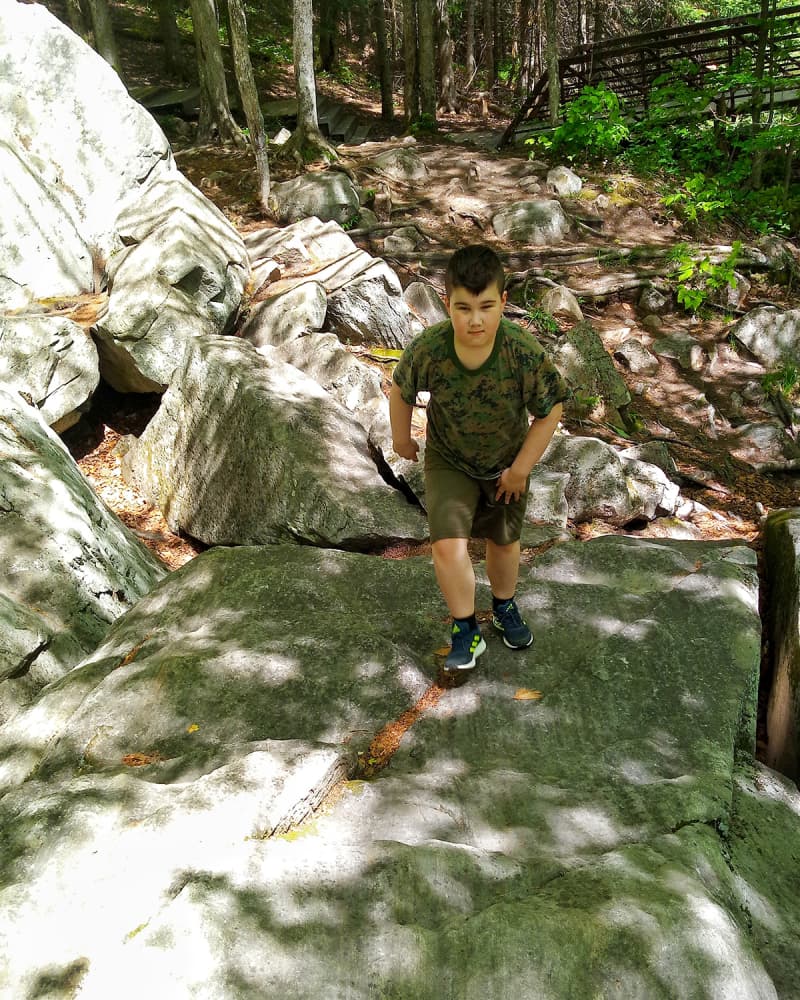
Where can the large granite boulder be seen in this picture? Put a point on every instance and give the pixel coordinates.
(597, 386)
(70, 568)
(364, 298)
(329, 196)
(583, 819)
(51, 360)
(98, 202)
(246, 449)
(603, 484)
(540, 222)
(180, 278)
(771, 335)
(74, 144)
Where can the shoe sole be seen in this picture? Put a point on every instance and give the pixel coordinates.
(454, 668)
(501, 631)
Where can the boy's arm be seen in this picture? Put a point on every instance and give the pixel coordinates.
(511, 484)
(400, 415)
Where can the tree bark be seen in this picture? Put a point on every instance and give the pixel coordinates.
(216, 121)
(411, 70)
(170, 37)
(447, 79)
(488, 43)
(427, 62)
(524, 82)
(104, 41)
(758, 95)
(237, 20)
(328, 55)
(76, 18)
(553, 82)
(384, 61)
(469, 40)
(307, 138)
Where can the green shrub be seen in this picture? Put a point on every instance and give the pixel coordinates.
(593, 127)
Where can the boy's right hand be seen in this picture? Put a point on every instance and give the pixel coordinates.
(406, 449)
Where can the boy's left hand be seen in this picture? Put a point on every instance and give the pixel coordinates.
(510, 485)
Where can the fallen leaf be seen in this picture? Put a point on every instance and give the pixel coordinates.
(525, 694)
(140, 759)
(193, 728)
(442, 651)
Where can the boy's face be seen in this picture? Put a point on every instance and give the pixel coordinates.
(475, 318)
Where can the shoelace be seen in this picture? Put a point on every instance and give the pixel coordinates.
(510, 615)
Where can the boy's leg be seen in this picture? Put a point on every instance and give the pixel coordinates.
(502, 568)
(455, 575)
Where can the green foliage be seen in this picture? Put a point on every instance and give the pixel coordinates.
(593, 128)
(696, 279)
(544, 321)
(507, 71)
(276, 50)
(424, 125)
(786, 379)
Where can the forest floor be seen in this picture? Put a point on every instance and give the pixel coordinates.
(673, 404)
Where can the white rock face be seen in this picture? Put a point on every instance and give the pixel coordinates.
(286, 316)
(541, 222)
(401, 164)
(96, 191)
(52, 360)
(772, 335)
(70, 567)
(247, 450)
(564, 182)
(72, 145)
(329, 196)
(561, 300)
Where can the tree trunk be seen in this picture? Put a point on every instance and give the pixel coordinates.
(553, 82)
(104, 41)
(447, 79)
(524, 82)
(488, 43)
(427, 63)
(308, 141)
(411, 70)
(170, 37)
(758, 94)
(469, 40)
(248, 92)
(328, 15)
(76, 18)
(384, 61)
(216, 121)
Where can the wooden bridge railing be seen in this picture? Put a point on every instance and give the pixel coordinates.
(629, 65)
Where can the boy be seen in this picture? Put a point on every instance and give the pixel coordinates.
(484, 375)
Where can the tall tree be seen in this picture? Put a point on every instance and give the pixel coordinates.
(410, 62)
(328, 16)
(384, 60)
(447, 79)
(77, 20)
(758, 94)
(170, 36)
(427, 60)
(307, 140)
(469, 38)
(488, 43)
(103, 29)
(216, 120)
(553, 80)
(243, 67)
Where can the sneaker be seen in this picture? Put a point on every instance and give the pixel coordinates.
(468, 644)
(511, 625)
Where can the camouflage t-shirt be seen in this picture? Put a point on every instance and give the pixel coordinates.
(478, 419)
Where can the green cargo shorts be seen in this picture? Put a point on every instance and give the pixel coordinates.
(460, 506)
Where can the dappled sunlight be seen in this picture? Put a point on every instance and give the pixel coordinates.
(580, 828)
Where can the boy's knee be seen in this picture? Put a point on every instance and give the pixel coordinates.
(449, 548)
(508, 549)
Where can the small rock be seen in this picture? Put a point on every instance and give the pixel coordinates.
(652, 301)
(564, 182)
(635, 356)
(653, 324)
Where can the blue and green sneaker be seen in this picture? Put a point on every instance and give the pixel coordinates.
(511, 625)
(467, 646)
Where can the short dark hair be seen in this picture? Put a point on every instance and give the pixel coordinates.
(474, 268)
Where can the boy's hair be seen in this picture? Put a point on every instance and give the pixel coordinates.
(474, 268)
